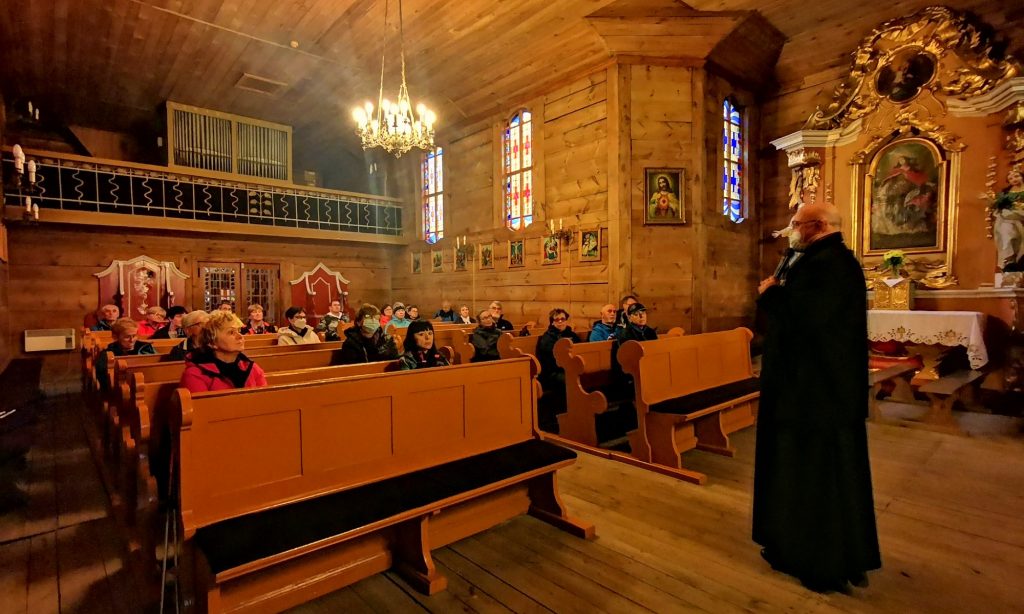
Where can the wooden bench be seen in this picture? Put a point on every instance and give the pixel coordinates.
(899, 375)
(691, 392)
(292, 491)
(588, 386)
(944, 393)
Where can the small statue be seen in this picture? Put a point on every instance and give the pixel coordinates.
(1007, 214)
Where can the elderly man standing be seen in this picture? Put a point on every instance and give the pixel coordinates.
(813, 508)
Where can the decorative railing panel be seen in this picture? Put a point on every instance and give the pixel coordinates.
(73, 185)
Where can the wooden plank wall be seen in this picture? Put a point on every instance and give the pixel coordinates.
(572, 152)
(731, 250)
(664, 133)
(5, 311)
(51, 270)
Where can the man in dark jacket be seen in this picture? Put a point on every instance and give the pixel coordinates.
(174, 328)
(813, 507)
(367, 341)
(485, 338)
(499, 317)
(126, 343)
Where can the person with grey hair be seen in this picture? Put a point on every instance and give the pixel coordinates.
(813, 506)
(499, 317)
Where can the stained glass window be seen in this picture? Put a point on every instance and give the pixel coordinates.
(517, 193)
(732, 163)
(433, 195)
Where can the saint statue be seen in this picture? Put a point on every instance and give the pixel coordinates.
(1007, 213)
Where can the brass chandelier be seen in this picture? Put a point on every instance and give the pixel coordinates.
(392, 125)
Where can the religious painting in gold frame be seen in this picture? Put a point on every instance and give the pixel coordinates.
(436, 261)
(907, 187)
(417, 263)
(906, 200)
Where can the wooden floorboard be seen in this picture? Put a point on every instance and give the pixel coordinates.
(950, 513)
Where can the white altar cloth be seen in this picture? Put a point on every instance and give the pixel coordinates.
(949, 328)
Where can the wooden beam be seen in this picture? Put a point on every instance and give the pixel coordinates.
(619, 214)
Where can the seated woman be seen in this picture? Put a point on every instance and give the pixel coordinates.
(126, 343)
(420, 352)
(413, 313)
(366, 341)
(193, 324)
(296, 333)
(464, 317)
(385, 315)
(399, 319)
(446, 313)
(256, 324)
(174, 329)
(552, 377)
(155, 320)
(485, 338)
(220, 364)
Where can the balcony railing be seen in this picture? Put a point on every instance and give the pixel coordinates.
(73, 183)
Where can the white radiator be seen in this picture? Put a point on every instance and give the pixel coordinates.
(49, 339)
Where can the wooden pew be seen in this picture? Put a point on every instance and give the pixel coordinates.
(898, 374)
(588, 381)
(292, 491)
(943, 394)
(691, 392)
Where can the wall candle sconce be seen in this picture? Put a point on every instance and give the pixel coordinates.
(564, 234)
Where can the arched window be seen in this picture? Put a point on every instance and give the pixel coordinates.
(517, 192)
(732, 163)
(433, 195)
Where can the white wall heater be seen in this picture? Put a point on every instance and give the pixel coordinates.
(44, 339)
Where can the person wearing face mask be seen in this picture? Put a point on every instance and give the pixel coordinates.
(485, 338)
(605, 328)
(367, 341)
(220, 364)
(420, 352)
(296, 333)
(813, 510)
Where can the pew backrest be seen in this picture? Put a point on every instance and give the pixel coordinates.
(286, 443)
(673, 367)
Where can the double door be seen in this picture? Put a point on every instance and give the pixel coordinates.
(241, 283)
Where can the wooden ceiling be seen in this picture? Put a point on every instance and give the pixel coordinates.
(111, 63)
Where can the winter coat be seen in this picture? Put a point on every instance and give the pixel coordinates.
(288, 336)
(203, 372)
(359, 349)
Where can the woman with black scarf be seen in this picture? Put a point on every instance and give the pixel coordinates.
(420, 352)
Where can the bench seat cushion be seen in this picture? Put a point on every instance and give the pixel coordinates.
(708, 398)
(252, 537)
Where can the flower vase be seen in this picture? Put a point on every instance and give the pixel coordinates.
(893, 293)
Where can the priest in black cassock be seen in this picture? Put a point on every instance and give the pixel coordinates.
(813, 506)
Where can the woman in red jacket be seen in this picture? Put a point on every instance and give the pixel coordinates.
(221, 365)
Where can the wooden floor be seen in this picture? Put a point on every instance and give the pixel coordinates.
(950, 516)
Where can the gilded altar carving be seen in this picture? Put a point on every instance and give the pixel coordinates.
(805, 167)
(935, 50)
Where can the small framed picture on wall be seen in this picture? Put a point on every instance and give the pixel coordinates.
(551, 250)
(486, 256)
(663, 196)
(436, 261)
(460, 258)
(417, 265)
(516, 254)
(590, 245)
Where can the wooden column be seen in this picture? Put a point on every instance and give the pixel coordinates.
(619, 214)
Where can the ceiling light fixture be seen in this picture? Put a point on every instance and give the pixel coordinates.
(392, 125)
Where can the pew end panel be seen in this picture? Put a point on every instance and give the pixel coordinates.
(397, 485)
(691, 392)
(588, 368)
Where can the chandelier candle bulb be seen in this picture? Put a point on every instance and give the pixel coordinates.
(35, 211)
(31, 171)
(19, 159)
(28, 204)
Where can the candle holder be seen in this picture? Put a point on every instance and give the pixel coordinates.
(565, 235)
